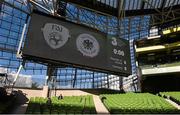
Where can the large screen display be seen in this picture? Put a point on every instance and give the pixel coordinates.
(55, 40)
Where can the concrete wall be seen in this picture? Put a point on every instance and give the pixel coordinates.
(65, 92)
(23, 95)
(77, 92)
(72, 92)
(43, 93)
(30, 92)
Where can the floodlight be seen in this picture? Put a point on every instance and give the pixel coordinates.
(153, 37)
(166, 32)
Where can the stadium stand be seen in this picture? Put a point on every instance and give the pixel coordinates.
(67, 105)
(158, 59)
(137, 103)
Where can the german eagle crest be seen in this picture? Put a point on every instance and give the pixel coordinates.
(87, 45)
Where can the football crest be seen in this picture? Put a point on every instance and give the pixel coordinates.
(87, 45)
(55, 35)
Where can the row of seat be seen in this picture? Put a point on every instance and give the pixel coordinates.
(67, 105)
(174, 96)
(137, 103)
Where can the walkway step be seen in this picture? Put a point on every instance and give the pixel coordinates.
(100, 108)
(173, 103)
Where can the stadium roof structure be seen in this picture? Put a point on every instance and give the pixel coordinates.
(161, 11)
(131, 7)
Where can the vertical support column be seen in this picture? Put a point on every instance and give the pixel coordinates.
(75, 78)
(108, 81)
(107, 23)
(51, 73)
(133, 56)
(134, 85)
(54, 80)
(54, 9)
(94, 20)
(46, 87)
(120, 6)
(78, 17)
(45, 91)
(1, 6)
(93, 81)
(139, 77)
(120, 83)
(48, 73)
(60, 7)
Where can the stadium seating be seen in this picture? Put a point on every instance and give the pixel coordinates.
(37, 105)
(67, 105)
(137, 103)
(174, 96)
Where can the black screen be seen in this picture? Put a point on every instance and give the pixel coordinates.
(60, 41)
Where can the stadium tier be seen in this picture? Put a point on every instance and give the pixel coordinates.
(158, 58)
(65, 105)
(162, 52)
(137, 103)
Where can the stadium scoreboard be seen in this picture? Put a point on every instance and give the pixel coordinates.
(58, 41)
